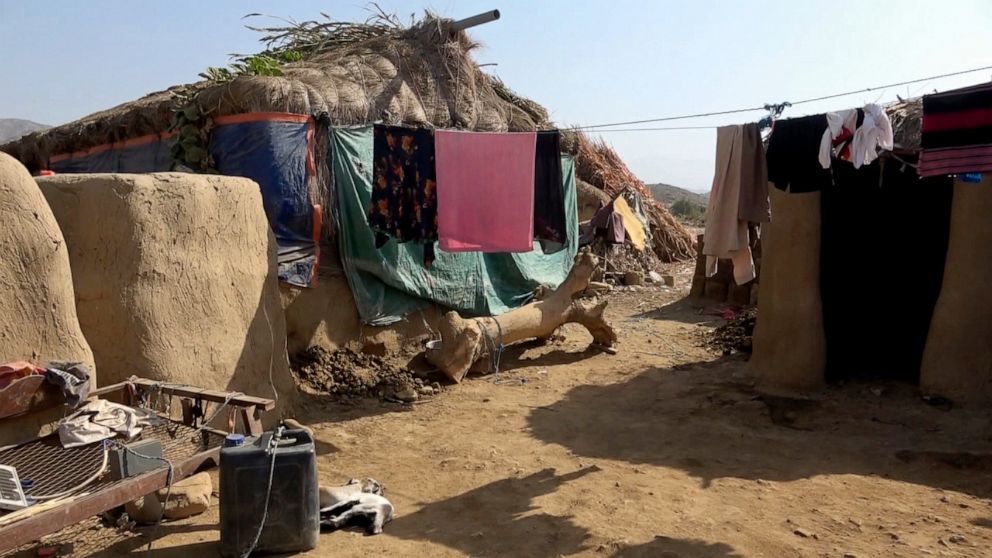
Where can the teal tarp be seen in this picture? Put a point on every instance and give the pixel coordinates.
(391, 282)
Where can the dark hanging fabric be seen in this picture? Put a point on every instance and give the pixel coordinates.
(793, 154)
(606, 223)
(404, 187)
(753, 206)
(549, 194)
(881, 221)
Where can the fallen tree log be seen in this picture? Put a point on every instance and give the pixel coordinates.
(466, 341)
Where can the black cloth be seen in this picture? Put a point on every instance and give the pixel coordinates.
(404, 187)
(550, 228)
(883, 222)
(793, 154)
(72, 378)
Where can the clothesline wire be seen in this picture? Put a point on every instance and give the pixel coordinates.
(764, 107)
(657, 129)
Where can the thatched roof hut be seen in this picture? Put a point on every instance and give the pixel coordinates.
(351, 74)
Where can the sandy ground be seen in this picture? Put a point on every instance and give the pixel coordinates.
(664, 450)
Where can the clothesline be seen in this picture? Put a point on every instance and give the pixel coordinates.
(763, 107)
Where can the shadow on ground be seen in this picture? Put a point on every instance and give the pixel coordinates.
(708, 421)
(498, 518)
(137, 543)
(665, 547)
(534, 354)
(311, 409)
(687, 311)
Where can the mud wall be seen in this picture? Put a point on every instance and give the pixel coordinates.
(175, 279)
(326, 316)
(789, 345)
(957, 360)
(38, 320)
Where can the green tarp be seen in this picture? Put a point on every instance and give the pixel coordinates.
(391, 282)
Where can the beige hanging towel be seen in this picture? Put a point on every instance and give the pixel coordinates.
(739, 195)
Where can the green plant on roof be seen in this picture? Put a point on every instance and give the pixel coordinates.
(288, 42)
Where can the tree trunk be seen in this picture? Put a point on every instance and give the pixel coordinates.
(465, 341)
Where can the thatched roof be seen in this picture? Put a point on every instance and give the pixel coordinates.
(907, 124)
(422, 75)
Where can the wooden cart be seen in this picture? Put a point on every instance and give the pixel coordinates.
(54, 469)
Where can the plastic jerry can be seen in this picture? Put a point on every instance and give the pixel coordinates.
(292, 523)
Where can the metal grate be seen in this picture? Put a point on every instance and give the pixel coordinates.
(85, 538)
(55, 469)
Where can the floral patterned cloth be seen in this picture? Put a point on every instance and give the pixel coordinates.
(404, 187)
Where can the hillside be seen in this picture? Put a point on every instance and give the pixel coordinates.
(668, 194)
(13, 128)
(688, 206)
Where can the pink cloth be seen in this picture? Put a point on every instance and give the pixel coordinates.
(485, 191)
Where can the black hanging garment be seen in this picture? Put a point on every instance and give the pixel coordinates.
(881, 217)
(404, 187)
(549, 194)
(793, 154)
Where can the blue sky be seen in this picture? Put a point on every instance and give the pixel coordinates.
(587, 62)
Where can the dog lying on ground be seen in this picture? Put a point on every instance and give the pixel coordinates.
(357, 502)
(370, 510)
(333, 495)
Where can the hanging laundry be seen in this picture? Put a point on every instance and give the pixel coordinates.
(404, 187)
(549, 194)
(874, 133)
(616, 228)
(793, 154)
(485, 191)
(838, 137)
(957, 132)
(727, 234)
(754, 205)
(631, 226)
(606, 222)
(637, 206)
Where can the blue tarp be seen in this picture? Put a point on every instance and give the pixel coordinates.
(273, 153)
(149, 157)
(391, 282)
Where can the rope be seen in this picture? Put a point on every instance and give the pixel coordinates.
(499, 351)
(157, 388)
(494, 349)
(227, 399)
(272, 354)
(273, 443)
(763, 107)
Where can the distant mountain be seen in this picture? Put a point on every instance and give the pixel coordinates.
(668, 194)
(689, 207)
(13, 128)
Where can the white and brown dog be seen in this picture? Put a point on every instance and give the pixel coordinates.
(357, 502)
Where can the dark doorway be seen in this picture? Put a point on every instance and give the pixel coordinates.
(883, 247)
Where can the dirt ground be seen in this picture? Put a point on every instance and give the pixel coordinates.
(663, 450)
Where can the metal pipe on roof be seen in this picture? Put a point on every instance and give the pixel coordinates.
(484, 17)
